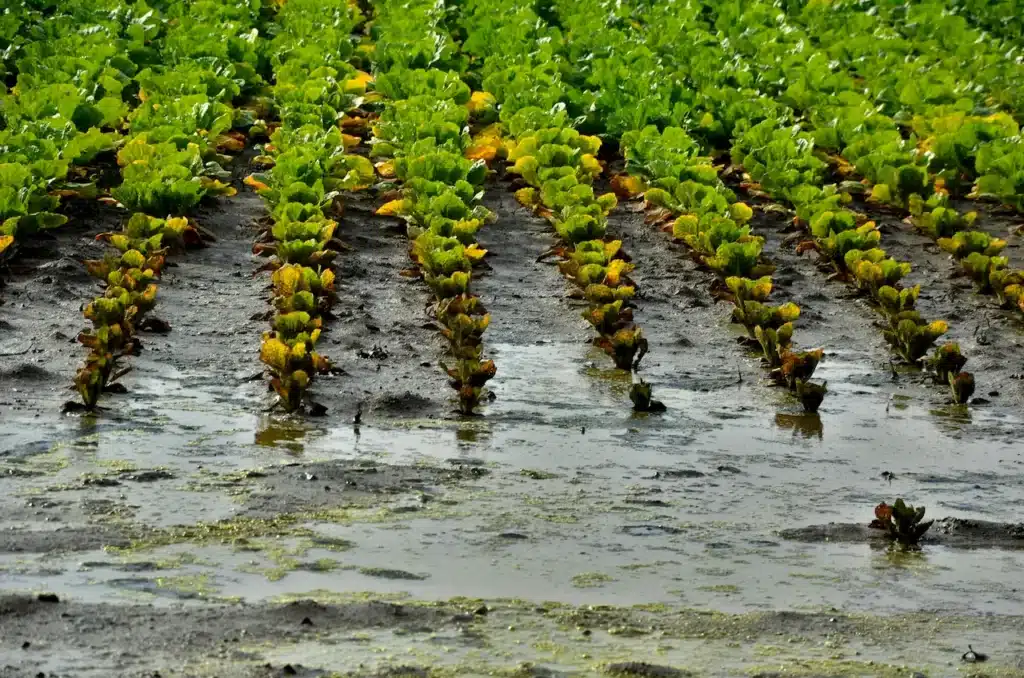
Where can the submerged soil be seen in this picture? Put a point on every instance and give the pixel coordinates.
(558, 534)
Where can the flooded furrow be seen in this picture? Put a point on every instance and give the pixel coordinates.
(992, 338)
(193, 496)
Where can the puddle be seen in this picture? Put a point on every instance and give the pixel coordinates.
(681, 507)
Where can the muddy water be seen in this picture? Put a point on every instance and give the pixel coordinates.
(558, 493)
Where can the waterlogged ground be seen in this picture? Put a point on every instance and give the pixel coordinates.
(188, 531)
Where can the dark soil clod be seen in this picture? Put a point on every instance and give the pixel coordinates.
(644, 670)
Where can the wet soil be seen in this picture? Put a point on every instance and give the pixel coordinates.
(472, 637)
(950, 532)
(186, 513)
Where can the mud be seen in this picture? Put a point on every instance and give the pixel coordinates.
(469, 638)
(950, 532)
(186, 512)
(298, 488)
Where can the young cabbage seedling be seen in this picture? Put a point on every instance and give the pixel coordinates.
(947, 361)
(774, 343)
(912, 337)
(962, 387)
(896, 302)
(468, 378)
(983, 269)
(964, 243)
(626, 347)
(797, 367)
(640, 394)
(903, 524)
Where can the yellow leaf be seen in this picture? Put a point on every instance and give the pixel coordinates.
(475, 253)
(616, 269)
(354, 86)
(591, 164)
(526, 196)
(320, 363)
(761, 289)
(391, 209)
(481, 101)
(274, 353)
(255, 184)
(481, 151)
(590, 145)
(286, 280)
(352, 122)
(5, 242)
(386, 169)
(741, 212)
(350, 141)
(626, 186)
(229, 143)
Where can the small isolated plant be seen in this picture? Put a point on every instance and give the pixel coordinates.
(774, 342)
(947, 361)
(811, 395)
(962, 387)
(640, 394)
(912, 336)
(904, 524)
(797, 367)
(468, 377)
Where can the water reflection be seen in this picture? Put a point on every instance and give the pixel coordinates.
(893, 556)
(953, 419)
(806, 425)
(271, 432)
(471, 434)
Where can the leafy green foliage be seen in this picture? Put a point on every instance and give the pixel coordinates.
(903, 524)
(912, 336)
(947, 361)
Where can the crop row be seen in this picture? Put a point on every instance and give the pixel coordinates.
(682, 187)
(69, 92)
(683, 190)
(308, 166)
(752, 126)
(537, 84)
(935, 105)
(170, 158)
(559, 165)
(946, 147)
(950, 142)
(422, 140)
